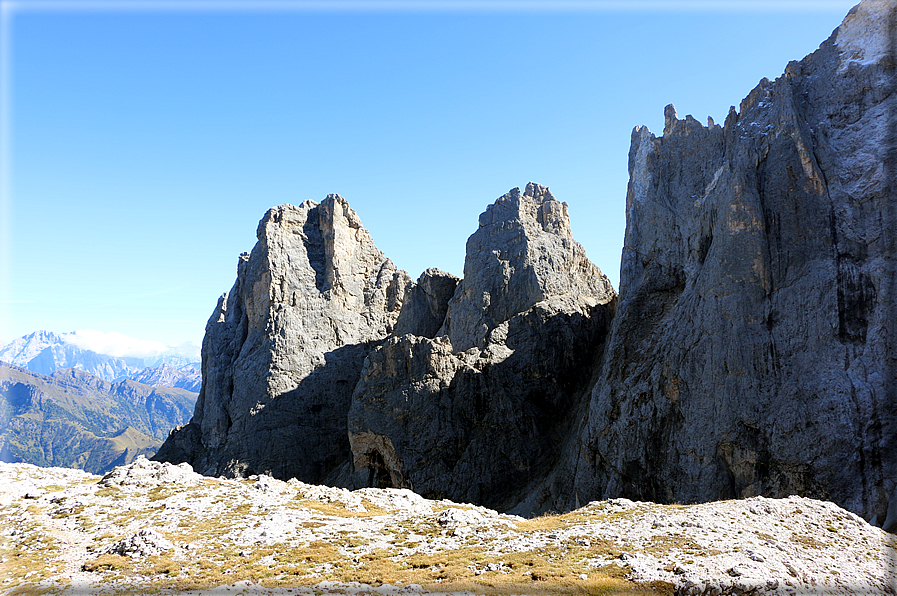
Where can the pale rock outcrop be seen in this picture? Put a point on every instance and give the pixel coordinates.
(452, 518)
(400, 499)
(480, 412)
(143, 472)
(753, 351)
(284, 348)
(143, 543)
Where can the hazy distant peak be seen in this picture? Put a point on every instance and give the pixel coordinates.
(110, 356)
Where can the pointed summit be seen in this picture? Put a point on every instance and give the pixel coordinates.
(522, 253)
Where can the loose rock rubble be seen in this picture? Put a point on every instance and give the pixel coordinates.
(151, 526)
(144, 543)
(143, 472)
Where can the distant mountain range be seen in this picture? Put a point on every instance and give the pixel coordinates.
(72, 418)
(64, 405)
(45, 352)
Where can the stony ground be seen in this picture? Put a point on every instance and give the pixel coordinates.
(157, 528)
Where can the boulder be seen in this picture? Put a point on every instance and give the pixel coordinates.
(143, 543)
(143, 472)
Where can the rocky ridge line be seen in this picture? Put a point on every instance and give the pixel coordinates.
(321, 332)
(73, 418)
(183, 529)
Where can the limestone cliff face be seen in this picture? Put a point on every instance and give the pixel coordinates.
(522, 253)
(326, 364)
(754, 347)
(480, 412)
(283, 349)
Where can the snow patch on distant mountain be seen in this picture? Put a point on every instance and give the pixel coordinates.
(110, 356)
(21, 350)
(187, 377)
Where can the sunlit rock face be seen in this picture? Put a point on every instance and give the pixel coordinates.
(753, 351)
(283, 349)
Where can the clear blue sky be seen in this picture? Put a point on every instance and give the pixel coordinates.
(142, 146)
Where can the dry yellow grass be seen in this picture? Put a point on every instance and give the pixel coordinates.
(393, 547)
(553, 570)
(108, 563)
(337, 509)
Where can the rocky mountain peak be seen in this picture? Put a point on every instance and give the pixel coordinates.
(320, 260)
(284, 348)
(321, 330)
(535, 206)
(186, 377)
(749, 353)
(522, 253)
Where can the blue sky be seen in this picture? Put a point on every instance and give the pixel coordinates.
(143, 141)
